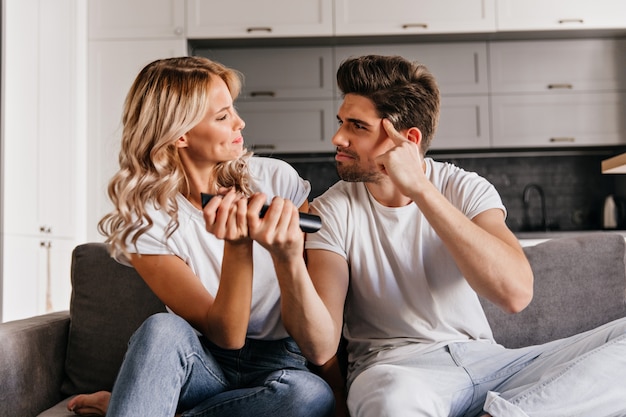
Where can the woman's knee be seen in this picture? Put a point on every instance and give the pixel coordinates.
(163, 329)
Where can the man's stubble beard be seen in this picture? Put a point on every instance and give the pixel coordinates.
(354, 173)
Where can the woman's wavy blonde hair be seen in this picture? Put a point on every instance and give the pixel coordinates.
(167, 99)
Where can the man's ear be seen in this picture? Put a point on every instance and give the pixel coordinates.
(414, 135)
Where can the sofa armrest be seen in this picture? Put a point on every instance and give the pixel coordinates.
(32, 358)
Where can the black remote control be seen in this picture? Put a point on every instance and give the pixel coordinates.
(309, 223)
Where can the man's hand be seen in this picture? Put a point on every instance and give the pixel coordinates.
(403, 163)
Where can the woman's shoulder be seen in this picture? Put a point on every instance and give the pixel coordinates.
(263, 164)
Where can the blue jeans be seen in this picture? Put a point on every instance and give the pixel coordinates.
(168, 369)
(580, 376)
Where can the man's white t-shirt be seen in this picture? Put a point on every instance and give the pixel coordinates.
(406, 294)
(203, 252)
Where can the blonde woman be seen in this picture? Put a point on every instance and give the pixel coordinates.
(224, 350)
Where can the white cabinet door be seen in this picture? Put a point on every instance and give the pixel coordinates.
(40, 117)
(256, 19)
(463, 123)
(280, 73)
(288, 126)
(406, 17)
(132, 19)
(113, 65)
(548, 120)
(459, 68)
(37, 276)
(558, 66)
(517, 15)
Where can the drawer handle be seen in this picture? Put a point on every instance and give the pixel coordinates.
(262, 94)
(564, 21)
(563, 139)
(415, 25)
(256, 147)
(259, 29)
(560, 86)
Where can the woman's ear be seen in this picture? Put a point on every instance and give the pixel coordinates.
(181, 142)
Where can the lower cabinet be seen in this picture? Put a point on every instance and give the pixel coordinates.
(463, 123)
(563, 120)
(288, 126)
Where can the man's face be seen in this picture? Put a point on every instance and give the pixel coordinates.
(359, 139)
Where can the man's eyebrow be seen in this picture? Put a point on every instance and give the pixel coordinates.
(355, 121)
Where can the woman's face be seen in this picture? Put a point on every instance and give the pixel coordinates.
(217, 138)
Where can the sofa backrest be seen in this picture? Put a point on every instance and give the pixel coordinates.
(109, 302)
(580, 283)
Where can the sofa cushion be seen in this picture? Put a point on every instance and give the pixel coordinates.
(109, 301)
(580, 283)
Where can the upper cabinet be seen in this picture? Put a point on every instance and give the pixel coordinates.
(521, 15)
(558, 93)
(254, 19)
(410, 17)
(558, 66)
(123, 19)
(279, 73)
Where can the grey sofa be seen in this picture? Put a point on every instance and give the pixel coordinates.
(580, 283)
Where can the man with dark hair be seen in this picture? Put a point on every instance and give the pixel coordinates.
(407, 245)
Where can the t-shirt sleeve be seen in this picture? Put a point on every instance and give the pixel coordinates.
(333, 233)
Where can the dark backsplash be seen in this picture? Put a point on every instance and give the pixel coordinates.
(572, 183)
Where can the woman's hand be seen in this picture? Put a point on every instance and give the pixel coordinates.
(226, 217)
(279, 229)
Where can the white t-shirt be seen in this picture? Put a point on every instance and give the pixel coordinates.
(203, 252)
(405, 291)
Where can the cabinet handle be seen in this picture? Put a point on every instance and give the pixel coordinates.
(263, 94)
(45, 229)
(257, 147)
(259, 29)
(415, 25)
(560, 86)
(178, 31)
(565, 21)
(45, 244)
(563, 139)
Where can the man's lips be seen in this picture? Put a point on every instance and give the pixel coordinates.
(343, 156)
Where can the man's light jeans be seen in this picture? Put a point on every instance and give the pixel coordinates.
(584, 375)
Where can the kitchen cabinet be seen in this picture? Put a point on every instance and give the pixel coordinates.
(558, 93)
(253, 19)
(280, 73)
(287, 100)
(41, 154)
(543, 120)
(534, 15)
(557, 66)
(288, 126)
(461, 73)
(123, 19)
(410, 17)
